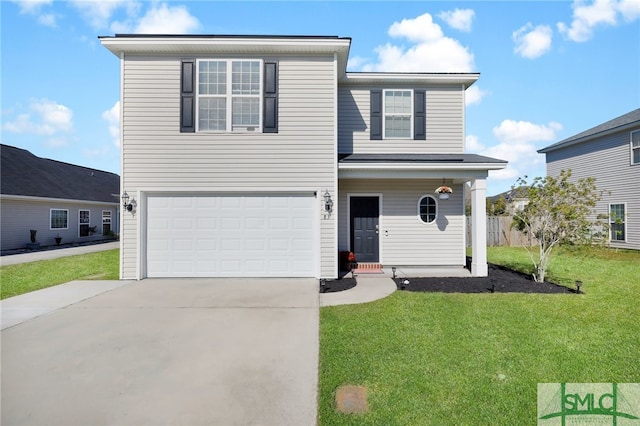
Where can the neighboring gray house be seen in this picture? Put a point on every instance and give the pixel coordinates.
(610, 153)
(262, 156)
(76, 203)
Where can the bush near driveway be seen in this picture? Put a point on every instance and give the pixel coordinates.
(435, 358)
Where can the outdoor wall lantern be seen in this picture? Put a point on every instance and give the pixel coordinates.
(328, 202)
(125, 202)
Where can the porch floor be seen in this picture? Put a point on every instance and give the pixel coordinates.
(433, 271)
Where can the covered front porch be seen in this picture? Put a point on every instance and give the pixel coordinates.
(390, 214)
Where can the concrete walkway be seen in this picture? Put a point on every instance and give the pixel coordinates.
(14, 259)
(166, 351)
(369, 287)
(18, 309)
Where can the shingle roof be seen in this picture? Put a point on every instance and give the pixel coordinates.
(22, 173)
(618, 122)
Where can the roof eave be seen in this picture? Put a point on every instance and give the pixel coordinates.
(570, 141)
(421, 166)
(466, 79)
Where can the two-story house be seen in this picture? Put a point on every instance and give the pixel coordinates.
(610, 153)
(263, 156)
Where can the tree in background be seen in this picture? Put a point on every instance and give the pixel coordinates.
(559, 212)
(497, 208)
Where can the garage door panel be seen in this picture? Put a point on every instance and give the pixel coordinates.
(231, 236)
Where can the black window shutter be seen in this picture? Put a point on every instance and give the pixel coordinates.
(270, 109)
(419, 115)
(376, 115)
(187, 96)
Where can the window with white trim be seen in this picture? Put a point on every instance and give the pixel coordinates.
(398, 114)
(635, 147)
(58, 219)
(617, 222)
(83, 223)
(106, 222)
(427, 209)
(229, 95)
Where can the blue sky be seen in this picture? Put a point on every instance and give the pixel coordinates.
(548, 70)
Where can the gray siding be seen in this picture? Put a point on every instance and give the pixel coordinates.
(445, 123)
(404, 238)
(301, 157)
(607, 159)
(19, 216)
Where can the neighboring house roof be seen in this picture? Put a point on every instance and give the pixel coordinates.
(24, 174)
(509, 196)
(617, 124)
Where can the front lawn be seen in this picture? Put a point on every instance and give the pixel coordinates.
(435, 358)
(26, 277)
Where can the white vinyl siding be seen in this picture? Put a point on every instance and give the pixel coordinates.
(444, 123)
(607, 160)
(404, 238)
(156, 156)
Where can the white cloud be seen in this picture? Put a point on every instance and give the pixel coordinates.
(420, 29)
(472, 144)
(586, 17)
(112, 116)
(517, 143)
(532, 42)
(355, 62)
(34, 7)
(431, 51)
(45, 117)
(473, 95)
(460, 19)
(629, 9)
(162, 19)
(99, 13)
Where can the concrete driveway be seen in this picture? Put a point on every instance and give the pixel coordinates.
(169, 351)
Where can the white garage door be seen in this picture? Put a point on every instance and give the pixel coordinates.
(231, 236)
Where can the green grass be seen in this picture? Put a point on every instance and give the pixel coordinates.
(468, 359)
(26, 277)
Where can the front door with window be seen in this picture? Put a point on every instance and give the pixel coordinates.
(365, 214)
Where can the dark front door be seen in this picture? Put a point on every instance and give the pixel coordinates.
(364, 228)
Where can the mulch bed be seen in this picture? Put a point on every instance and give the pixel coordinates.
(500, 279)
(341, 284)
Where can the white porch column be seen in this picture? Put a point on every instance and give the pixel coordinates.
(479, 266)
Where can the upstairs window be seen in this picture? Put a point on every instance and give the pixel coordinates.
(229, 95)
(397, 114)
(635, 147)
